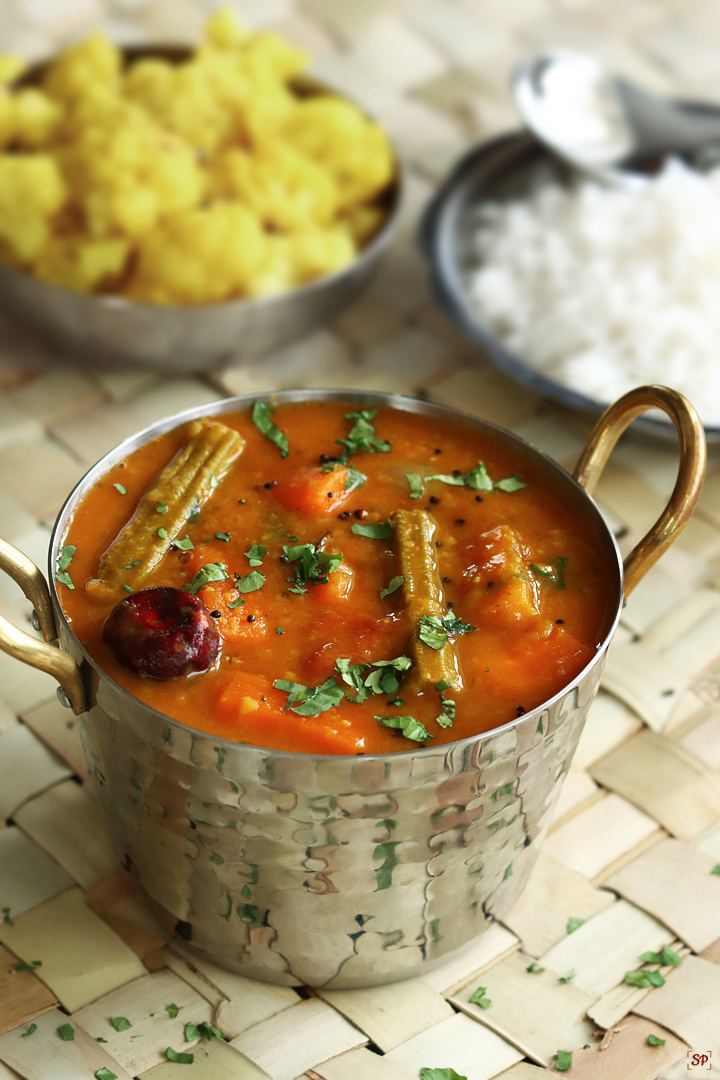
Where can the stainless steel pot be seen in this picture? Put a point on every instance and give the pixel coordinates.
(329, 870)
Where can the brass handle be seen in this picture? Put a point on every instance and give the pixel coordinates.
(691, 470)
(17, 643)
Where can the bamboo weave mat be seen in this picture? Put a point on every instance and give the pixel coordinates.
(636, 837)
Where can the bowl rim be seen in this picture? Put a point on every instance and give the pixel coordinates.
(481, 165)
(403, 403)
(391, 198)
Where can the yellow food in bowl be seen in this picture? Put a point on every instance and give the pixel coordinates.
(188, 181)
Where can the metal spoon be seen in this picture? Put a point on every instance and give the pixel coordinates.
(606, 126)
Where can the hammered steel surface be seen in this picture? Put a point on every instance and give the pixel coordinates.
(334, 871)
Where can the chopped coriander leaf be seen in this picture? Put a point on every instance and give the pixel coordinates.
(397, 701)
(22, 966)
(373, 532)
(6, 917)
(178, 1057)
(434, 631)
(564, 1060)
(66, 1032)
(573, 924)
(225, 537)
(354, 479)
(194, 510)
(716, 869)
(99, 1038)
(105, 1074)
(130, 565)
(279, 630)
(160, 507)
(251, 582)
(375, 677)
(127, 588)
(184, 545)
(408, 725)
(534, 969)
(665, 956)
(644, 979)
(202, 1030)
(254, 554)
(479, 998)
(236, 603)
(655, 978)
(443, 685)
(261, 418)
(360, 437)
(568, 978)
(553, 573)
(121, 488)
(652, 1040)
(313, 566)
(447, 712)
(440, 1074)
(310, 700)
(478, 480)
(191, 1032)
(416, 485)
(120, 1023)
(172, 1010)
(65, 557)
(214, 571)
(162, 533)
(510, 484)
(394, 585)
(30, 1031)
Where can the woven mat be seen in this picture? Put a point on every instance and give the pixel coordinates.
(630, 863)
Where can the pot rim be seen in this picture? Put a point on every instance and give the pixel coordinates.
(404, 403)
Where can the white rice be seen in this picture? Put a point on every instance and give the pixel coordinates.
(602, 289)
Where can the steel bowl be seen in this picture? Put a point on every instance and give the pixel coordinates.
(497, 170)
(338, 871)
(107, 330)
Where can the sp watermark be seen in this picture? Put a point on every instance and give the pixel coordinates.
(699, 1060)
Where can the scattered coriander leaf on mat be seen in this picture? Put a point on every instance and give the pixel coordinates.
(120, 1023)
(6, 917)
(214, 571)
(161, 507)
(574, 923)
(30, 1031)
(310, 700)
(416, 485)
(178, 1057)
(121, 488)
(172, 1010)
(534, 968)
(373, 532)
(65, 557)
(105, 1074)
(652, 1040)
(224, 536)
(262, 419)
(184, 545)
(251, 582)
(99, 1038)
(66, 1032)
(440, 1074)
(480, 998)
(644, 979)
(408, 725)
(656, 979)
(191, 1032)
(665, 956)
(564, 1060)
(394, 585)
(22, 966)
(568, 978)
(254, 554)
(716, 869)
(209, 1031)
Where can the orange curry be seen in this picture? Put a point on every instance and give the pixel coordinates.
(370, 580)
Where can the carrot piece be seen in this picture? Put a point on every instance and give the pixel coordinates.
(311, 491)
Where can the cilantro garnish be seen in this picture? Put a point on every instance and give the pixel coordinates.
(652, 1040)
(477, 479)
(30, 1031)
(66, 1032)
(360, 437)
(65, 557)
(261, 418)
(172, 1010)
(232, 604)
(568, 978)
(479, 998)
(447, 712)
(160, 507)
(194, 510)
(434, 631)
(644, 979)
(279, 630)
(214, 571)
(178, 1057)
(534, 969)
(22, 966)
(408, 725)
(6, 916)
(120, 1023)
(416, 484)
(373, 532)
(394, 585)
(127, 588)
(105, 1074)
(202, 1030)
(121, 488)
(254, 554)
(313, 566)
(440, 1074)
(354, 479)
(366, 681)
(251, 582)
(554, 573)
(716, 869)
(665, 956)
(162, 533)
(184, 545)
(564, 1060)
(224, 536)
(130, 565)
(573, 924)
(310, 700)
(443, 685)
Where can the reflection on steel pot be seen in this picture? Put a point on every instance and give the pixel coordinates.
(339, 871)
